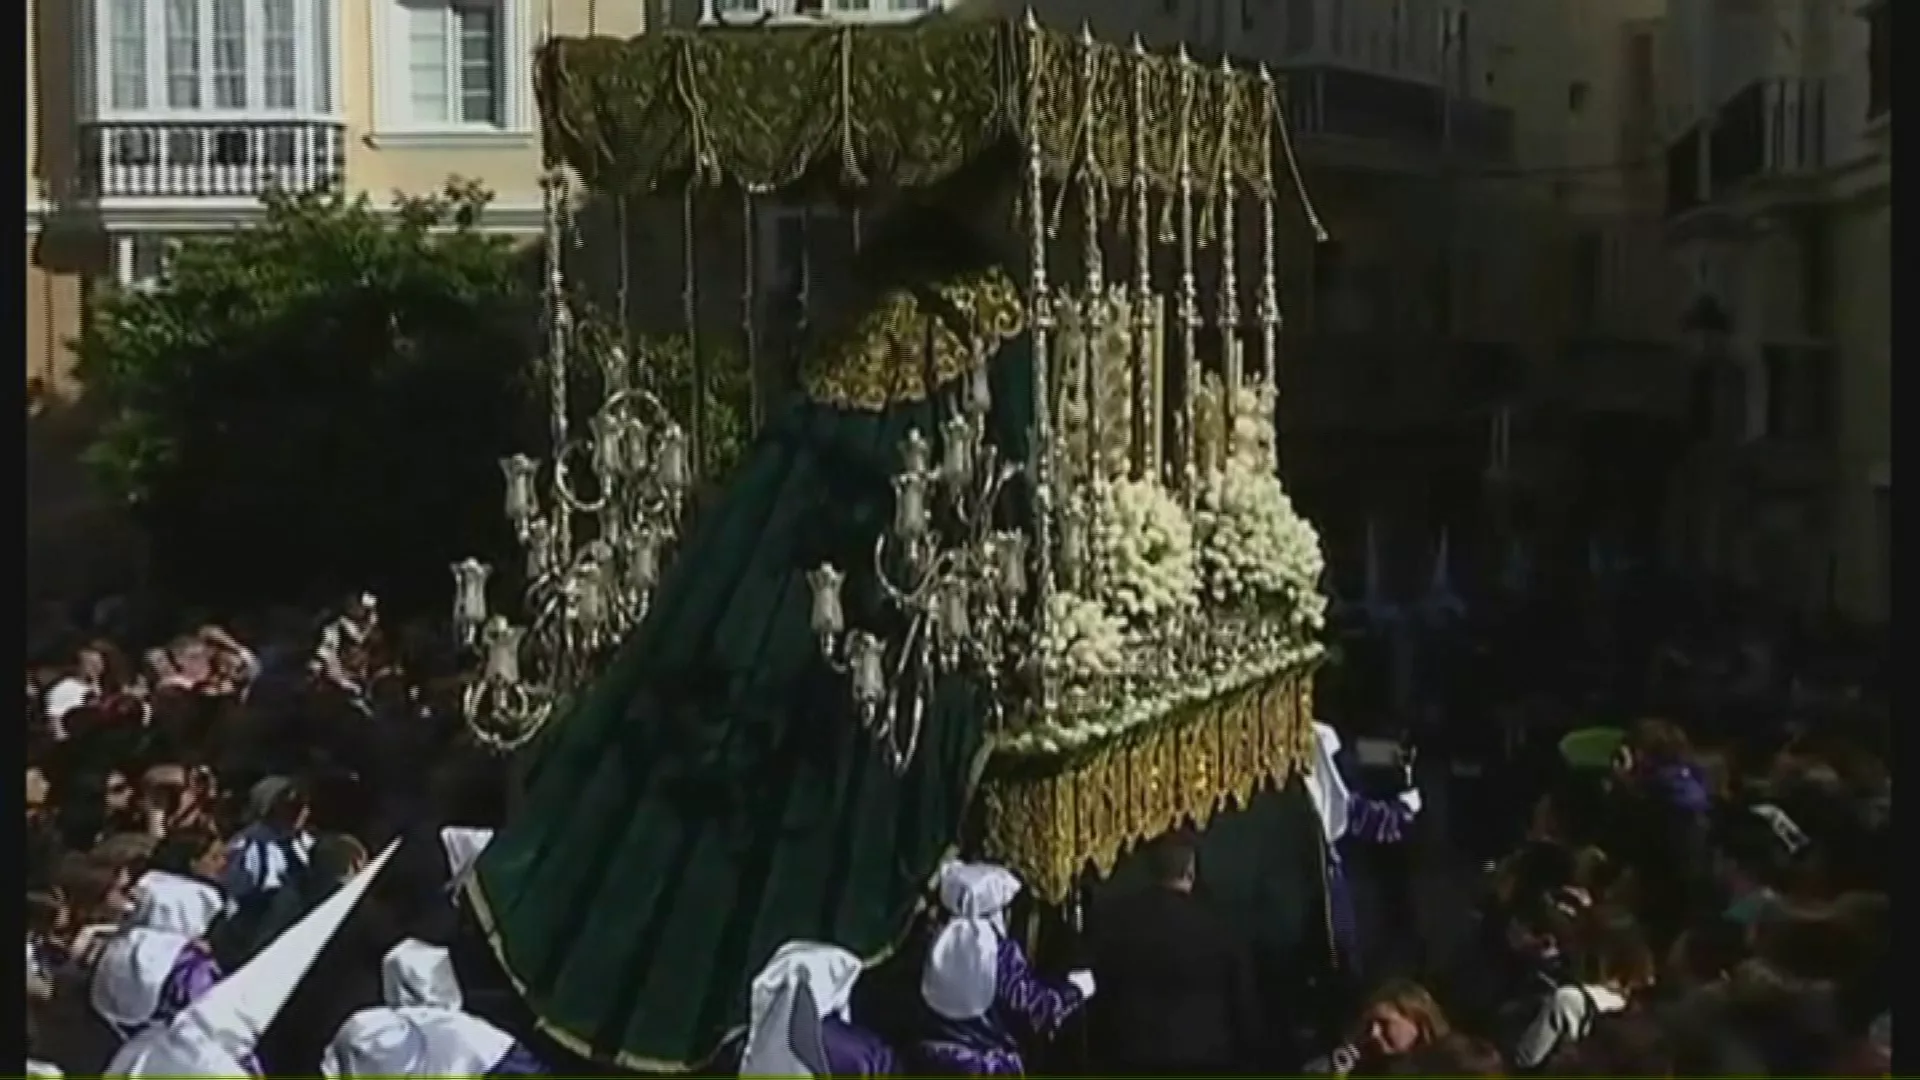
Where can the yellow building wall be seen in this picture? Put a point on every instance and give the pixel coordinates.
(506, 162)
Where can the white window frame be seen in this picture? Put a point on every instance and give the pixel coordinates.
(393, 85)
(317, 90)
(791, 12)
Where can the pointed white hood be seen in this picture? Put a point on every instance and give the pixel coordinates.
(804, 983)
(1325, 786)
(212, 1036)
(463, 846)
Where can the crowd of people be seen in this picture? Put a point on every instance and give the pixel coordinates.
(186, 812)
(204, 897)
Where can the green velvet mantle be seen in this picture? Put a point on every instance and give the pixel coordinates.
(712, 795)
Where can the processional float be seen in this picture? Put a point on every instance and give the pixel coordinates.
(1132, 596)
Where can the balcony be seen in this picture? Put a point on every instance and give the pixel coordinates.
(207, 159)
(1775, 128)
(1412, 116)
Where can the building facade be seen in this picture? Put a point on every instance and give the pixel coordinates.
(1778, 205)
(150, 120)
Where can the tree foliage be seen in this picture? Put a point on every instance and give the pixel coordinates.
(317, 402)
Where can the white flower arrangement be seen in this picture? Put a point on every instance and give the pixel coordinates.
(1255, 549)
(1083, 640)
(1143, 553)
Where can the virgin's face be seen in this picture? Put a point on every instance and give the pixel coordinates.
(1389, 1031)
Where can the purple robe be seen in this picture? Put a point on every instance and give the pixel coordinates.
(989, 1045)
(194, 972)
(854, 1051)
(518, 1061)
(1373, 821)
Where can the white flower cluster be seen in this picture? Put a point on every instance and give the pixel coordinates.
(1254, 548)
(1083, 639)
(1143, 552)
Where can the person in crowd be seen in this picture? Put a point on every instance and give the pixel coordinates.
(1345, 814)
(1176, 983)
(1398, 1019)
(422, 1031)
(981, 998)
(216, 1036)
(335, 859)
(349, 632)
(83, 684)
(161, 962)
(97, 807)
(1612, 966)
(274, 843)
(1661, 825)
(43, 840)
(800, 1022)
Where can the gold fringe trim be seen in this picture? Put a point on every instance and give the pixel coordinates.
(1050, 824)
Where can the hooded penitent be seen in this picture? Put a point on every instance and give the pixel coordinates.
(804, 983)
(421, 1030)
(160, 964)
(962, 969)
(216, 1035)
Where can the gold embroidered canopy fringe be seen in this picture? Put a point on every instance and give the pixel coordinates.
(1051, 819)
(850, 108)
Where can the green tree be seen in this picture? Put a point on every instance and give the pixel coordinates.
(318, 402)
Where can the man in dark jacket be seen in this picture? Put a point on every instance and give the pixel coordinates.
(1176, 990)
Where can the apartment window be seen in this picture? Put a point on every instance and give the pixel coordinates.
(159, 59)
(1879, 49)
(453, 68)
(454, 63)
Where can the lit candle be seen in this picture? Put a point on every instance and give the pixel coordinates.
(957, 447)
(909, 506)
(827, 617)
(866, 656)
(913, 453)
(1010, 551)
(502, 640)
(670, 460)
(469, 596)
(609, 444)
(643, 559)
(955, 617)
(1073, 544)
(539, 540)
(979, 392)
(521, 504)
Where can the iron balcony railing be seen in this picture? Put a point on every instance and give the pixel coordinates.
(212, 159)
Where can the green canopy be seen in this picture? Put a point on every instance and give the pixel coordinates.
(889, 107)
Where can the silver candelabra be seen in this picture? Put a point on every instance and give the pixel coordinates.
(593, 545)
(959, 582)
